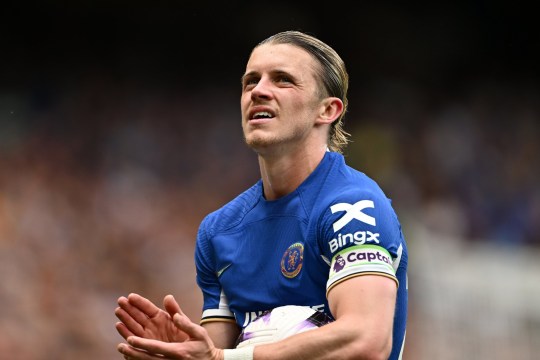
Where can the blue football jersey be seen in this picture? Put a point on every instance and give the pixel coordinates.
(253, 255)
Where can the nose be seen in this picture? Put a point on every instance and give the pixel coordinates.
(261, 90)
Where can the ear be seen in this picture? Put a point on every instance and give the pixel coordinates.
(330, 109)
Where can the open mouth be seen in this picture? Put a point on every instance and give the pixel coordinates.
(261, 115)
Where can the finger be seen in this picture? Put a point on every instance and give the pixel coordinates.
(171, 305)
(182, 322)
(123, 330)
(131, 353)
(130, 323)
(143, 304)
(154, 347)
(133, 311)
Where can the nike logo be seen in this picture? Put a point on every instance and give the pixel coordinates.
(222, 270)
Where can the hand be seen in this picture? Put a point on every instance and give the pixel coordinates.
(197, 346)
(140, 317)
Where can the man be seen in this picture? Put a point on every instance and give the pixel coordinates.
(311, 232)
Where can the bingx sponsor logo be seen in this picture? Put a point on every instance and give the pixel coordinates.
(353, 211)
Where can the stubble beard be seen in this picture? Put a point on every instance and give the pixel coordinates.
(259, 143)
(263, 143)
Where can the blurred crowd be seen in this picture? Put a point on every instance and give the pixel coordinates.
(101, 192)
(466, 163)
(103, 184)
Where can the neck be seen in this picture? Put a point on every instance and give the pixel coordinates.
(282, 174)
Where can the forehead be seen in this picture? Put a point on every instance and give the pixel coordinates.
(282, 57)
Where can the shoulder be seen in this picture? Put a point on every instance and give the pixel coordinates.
(345, 184)
(232, 213)
(355, 207)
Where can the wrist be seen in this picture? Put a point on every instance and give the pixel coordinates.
(245, 353)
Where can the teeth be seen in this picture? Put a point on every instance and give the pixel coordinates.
(262, 114)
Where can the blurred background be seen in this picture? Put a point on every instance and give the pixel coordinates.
(120, 129)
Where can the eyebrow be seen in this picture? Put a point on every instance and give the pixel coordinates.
(272, 72)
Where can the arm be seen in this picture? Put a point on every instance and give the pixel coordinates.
(363, 307)
(222, 333)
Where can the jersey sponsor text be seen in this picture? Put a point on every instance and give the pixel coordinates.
(357, 238)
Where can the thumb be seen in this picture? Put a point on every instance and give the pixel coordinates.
(171, 305)
(194, 331)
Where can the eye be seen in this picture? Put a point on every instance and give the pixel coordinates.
(249, 82)
(283, 79)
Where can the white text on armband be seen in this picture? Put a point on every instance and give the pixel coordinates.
(358, 238)
(360, 259)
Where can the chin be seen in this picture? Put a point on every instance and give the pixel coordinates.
(259, 143)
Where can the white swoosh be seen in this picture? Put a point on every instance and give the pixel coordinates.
(220, 272)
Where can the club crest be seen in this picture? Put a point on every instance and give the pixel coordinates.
(292, 260)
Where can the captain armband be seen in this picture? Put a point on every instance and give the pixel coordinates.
(358, 260)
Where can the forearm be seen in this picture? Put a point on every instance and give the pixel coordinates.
(338, 340)
(223, 334)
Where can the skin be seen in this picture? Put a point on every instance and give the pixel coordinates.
(279, 81)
